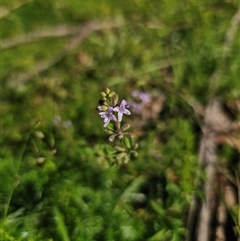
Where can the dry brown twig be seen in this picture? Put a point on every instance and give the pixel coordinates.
(53, 32)
(79, 33)
(215, 122)
(4, 12)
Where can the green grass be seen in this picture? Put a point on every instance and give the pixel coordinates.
(56, 181)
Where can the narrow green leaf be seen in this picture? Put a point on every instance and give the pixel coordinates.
(61, 227)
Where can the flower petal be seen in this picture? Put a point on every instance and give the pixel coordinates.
(113, 117)
(127, 112)
(105, 122)
(120, 115)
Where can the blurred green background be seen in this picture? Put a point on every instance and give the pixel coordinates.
(56, 58)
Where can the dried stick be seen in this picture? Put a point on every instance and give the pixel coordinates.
(82, 32)
(207, 152)
(4, 12)
(207, 158)
(57, 31)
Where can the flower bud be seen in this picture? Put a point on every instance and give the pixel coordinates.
(115, 99)
(122, 157)
(135, 146)
(125, 127)
(129, 134)
(110, 132)
(104, 108)
(107, 91)
(111, 138)
(120, 136)
(134, 153)
(111, 94)
(103, 94)
(119, 148)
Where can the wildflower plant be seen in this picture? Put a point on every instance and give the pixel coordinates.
(113, 111)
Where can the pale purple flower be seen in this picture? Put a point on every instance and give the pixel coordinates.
(122, 109)
(108, 116)
(135, 107)
(143, 96)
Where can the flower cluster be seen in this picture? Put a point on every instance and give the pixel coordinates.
(112, 110)
(109, 106)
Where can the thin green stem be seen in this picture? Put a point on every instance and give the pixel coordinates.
(17, 171)
(118, 125)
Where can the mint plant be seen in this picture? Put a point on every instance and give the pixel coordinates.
(112, 111)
